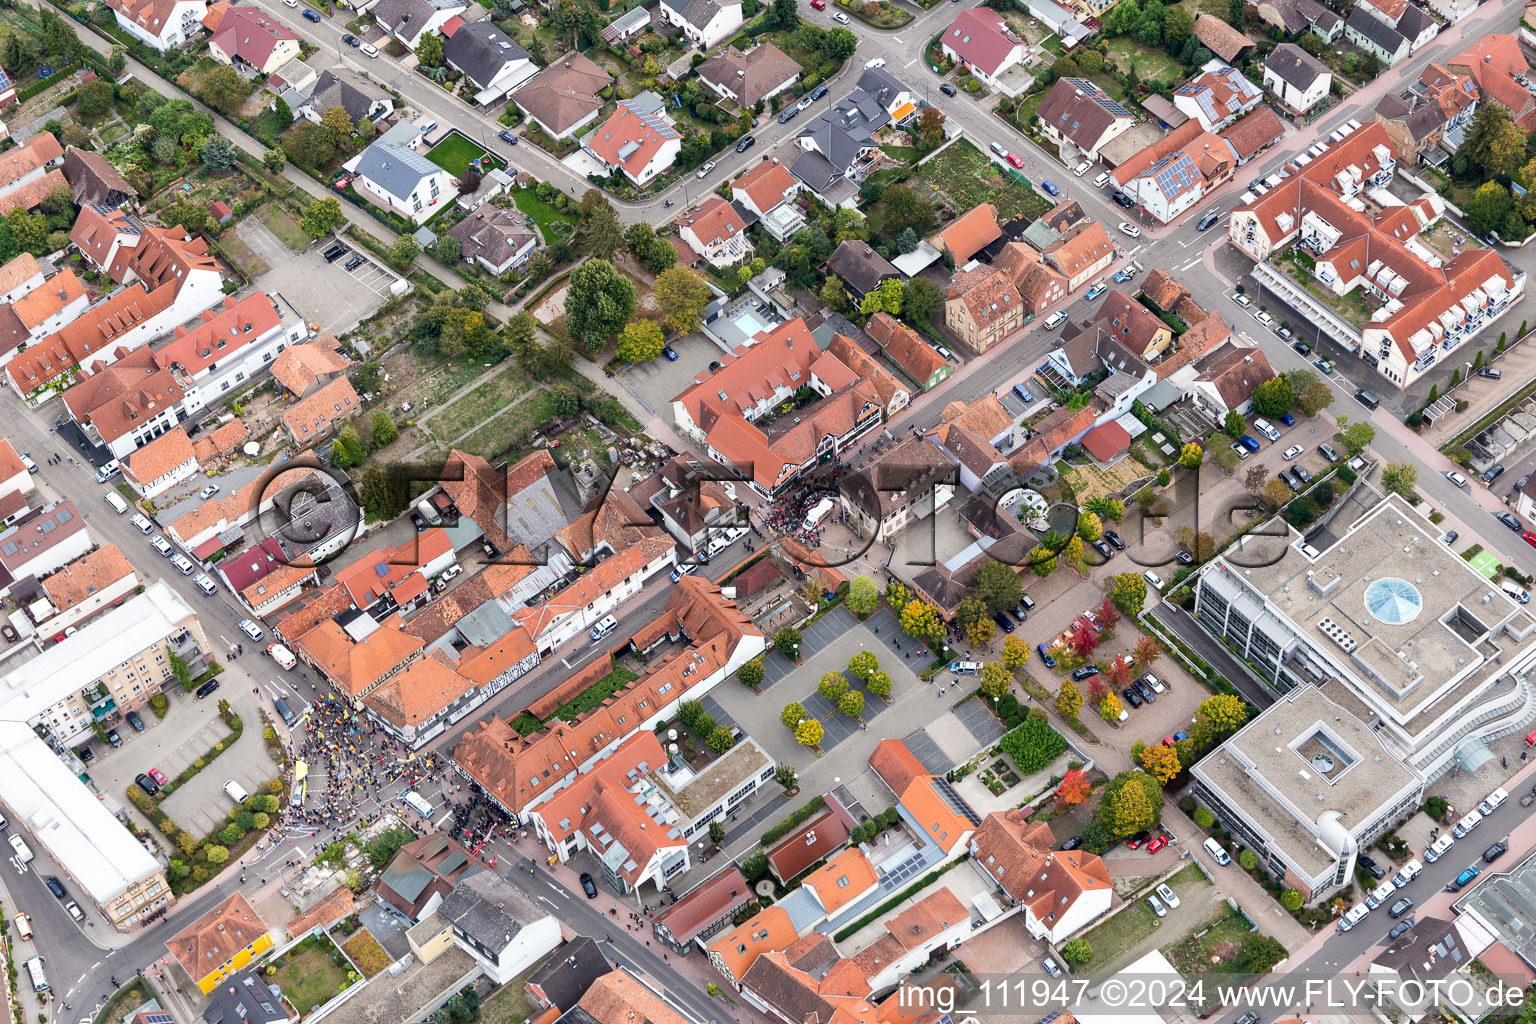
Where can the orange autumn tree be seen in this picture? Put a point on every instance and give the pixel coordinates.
(1074, 788)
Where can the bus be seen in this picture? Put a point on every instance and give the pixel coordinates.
(300, 784)
(419, 805)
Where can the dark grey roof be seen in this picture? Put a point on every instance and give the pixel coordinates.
(881, 84)
(1294, 66)
(94, 180)
(697, 13)
(1429, 950)
(244, 999)
(1383, 35)
(408, 15)
(1080, 110)
(489, 910)
(348, 90)
(863, 268)
(494, 234)
(566, 976)
(840, 133)
(396, 169)
(1413, 21)
(813, 169)
(481, 50)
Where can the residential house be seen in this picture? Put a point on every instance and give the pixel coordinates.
(496, 238)
(836, 146)
(1082, 118)
(1253, 134)
(983, 41)
(402, 180)
(1226, 383)
(908, 351)
(968, 234)
(161, 464)
(220, 943)
(1497, 65)
(983, 306)
(768, 931)
(87, 585)
(861, 269)
(1375, 36)
(409, 20)
(1217, 98)
(697, 504)
(160, 24)
(1409, 21)
(687, 921)
(577, 965)
(1059, 892)
(489, 58)
(1429, 119)
(241, 998)
(894, 395)
(751, 77)
(499, 925)
(42, 542)
(1172, 175)
(1080, 255)
(1296, 78)
(1220, 38)
(973, 437)
(717, 231)
(233, 343)
(126, 404)
(626, 26)
(246, 36)
(302, 368)
(1423, 959)
(19, 276)
(309, 421)
(345, 88)
(1052, 435)
(30, 171)
(41, 312)
(563, 98)
(769, 190)
(1428, 308)
(101, 232)
(705, 23)
(94, 181)
(532, 500)
(1132, 326)
(1293, 17)
(637, 139)
(14, 476)
(899, 486)
(1040, 285)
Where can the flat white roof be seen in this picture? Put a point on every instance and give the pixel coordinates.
(76, 827)
(111, 639)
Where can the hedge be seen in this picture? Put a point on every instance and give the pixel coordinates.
(895, 901)
(790, 823)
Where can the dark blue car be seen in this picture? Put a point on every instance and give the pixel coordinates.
(818, 92)
(1288, 420)
(1045, 656)
(1248, 442)
(1050, 187)
(312, 14)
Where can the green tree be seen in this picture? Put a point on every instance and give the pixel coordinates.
(1069, 700)
(995, 680)
(447, 250)
(1291, 900)
(429, 52)
(1192, 455)
(215, 854)
(117, 61)
(1089, 526)
(1490, 203)
(750, 674)
(1033, 745)
(181, 671)
(998, 585)
(720, 739)
(1077, 952)
(1259, 952)
(639, 342)
(863, 665)
(681, 295)
(1204, 818)
(1129, 592)
(601, 232)
(787, 642)
(786, 776)
(879, 684)
(598, 303)
(832, 686)
(851, 703)
(919, 298)
(274, 160)
(783, 14)
(1218, 717)
(1130, 802)
(886, 298)
(1357, 436)
(839, 44)
(382, 430)
(716, 829)
(792, 714)
(309, 145)
(223, 89)
(809, 733)
(1161, 760)
(1494, 143)
(218, 154)
(1233, 425)
(95, 99)
(1400, 478)
(1274, 398)
(321, 216)
(862, 597)
(929, 129)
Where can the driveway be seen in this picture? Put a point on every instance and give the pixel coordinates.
(659, 381)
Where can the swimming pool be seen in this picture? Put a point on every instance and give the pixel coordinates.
(748, 323)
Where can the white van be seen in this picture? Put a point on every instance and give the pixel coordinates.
(1101, 180)
(142, 524)
(107, 472)
(1437, 849)
(183, 564)
(1263, 427)
(282, 655)
(1353, 916)
(605, 625)
(964, 668)
(1467, 824)
(1383, 892)
(236, 792)
(1410, 871)
(1056, 319)
(1219, 855)
(34, 967)
(205, 584)
(1492, 801)
(116, 501)
(418, 803)
(1515, 591)
(252, 630)
(23, 853)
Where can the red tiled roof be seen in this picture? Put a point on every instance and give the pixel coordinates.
(1106, 440)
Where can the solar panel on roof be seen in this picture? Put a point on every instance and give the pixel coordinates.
(63, 515)
(953, 799)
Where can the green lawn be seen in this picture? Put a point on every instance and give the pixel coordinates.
(966, 176)
(1112, 938)
(544, 215)
(456, 152)
(479, 405)
(309, 978)
(1151, 64)
(510, 427)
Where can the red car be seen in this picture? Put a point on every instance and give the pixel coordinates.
(157, 775)
(820, 5)
(1157, 844)
(1013, 159)
(1136, 840)
(1530, 538)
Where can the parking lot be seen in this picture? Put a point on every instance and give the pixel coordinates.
(659, 381)
(329, 295)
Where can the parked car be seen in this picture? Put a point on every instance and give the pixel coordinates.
(1450, 538)
(1115, 540)
(818, 92)
(355, 262)
(1490, 373)
(788, 115)
(1004, 623)
(1086, 672)
(1167, 895)
(1323, 364)
(1131, 697)
(134, 721)
(1145, 691)
(1072, 843)
(1301, 348)
(1015, 161)
(1495, 851)
(709, 165)
(1460, 881)
(114, 739)
(1249, 443)
(55, 886)
(157, 775)
(1509, 521)
(1401, 907)
(1156, 905)
(746, 142)
(1157, 843)
(1290, 454)
(588, 886)
(1049, 966)
(1049, 186)
(1121, 199)
(1399, 928)
(1328, 452)
(310, 14)
(1104, 549)
(1095, 291)
(1377, 871)
(1138, 840)
(947, 89)
(147, 784)
(1183, 557)
(350, 39)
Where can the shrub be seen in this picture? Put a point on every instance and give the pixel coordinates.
(1248, 860)
(1204, 818)
(1291, 900)
(1033, 746)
